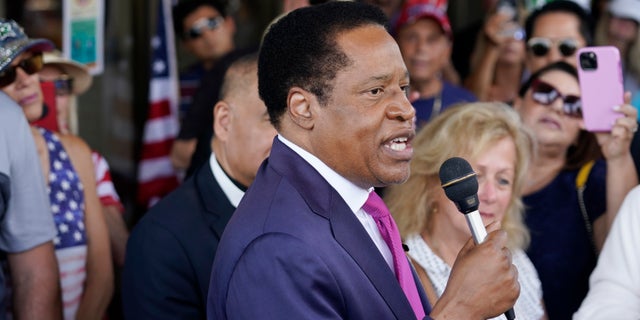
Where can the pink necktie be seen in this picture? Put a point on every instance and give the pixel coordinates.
(389, 231)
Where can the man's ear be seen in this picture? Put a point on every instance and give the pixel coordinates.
(222, 116)
(299, 107)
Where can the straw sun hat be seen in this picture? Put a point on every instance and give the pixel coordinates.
(79, 72)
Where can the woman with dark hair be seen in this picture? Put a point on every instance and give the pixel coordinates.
(568, 224)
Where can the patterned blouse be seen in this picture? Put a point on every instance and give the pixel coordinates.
(528, 305)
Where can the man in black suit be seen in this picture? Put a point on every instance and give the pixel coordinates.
(171, 250)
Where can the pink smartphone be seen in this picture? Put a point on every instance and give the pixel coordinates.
(601, 86)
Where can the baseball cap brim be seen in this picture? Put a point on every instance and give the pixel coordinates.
(13, 49)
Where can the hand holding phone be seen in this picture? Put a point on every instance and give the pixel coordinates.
(601, 86)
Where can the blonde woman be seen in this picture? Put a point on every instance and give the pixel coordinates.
(490, 136)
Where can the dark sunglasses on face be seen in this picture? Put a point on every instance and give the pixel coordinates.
(541, 46)
(30, 66)
(545, 94)
(63, 85)
(198, 28)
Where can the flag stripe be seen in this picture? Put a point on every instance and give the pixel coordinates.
(148, 191)
(156, 175)
(159, 109)
(155, 150)
(160, 129)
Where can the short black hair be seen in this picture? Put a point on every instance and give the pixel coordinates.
(564, 6)
(300, 50)
(587, 147)
(185, 7)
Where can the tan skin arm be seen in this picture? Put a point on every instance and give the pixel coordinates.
(181, 152)
(99, 282)
(36, 283)
(118, 233)
(483, 281)
(621, 171)
(480, 80)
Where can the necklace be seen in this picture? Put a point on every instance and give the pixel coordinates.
(437, 105)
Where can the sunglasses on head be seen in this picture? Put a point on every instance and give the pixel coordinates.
(545, 94)
(198, 28)
(541, 46)
(30, 66)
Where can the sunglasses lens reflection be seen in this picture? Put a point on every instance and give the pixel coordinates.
(545, 94)
(540, 46)
(540, 49)
(198, 30)
(29, 66)
(7, 77)
(567, 48)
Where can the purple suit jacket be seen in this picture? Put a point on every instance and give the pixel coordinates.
(294, 250)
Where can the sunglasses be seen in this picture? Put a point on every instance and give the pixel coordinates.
(201, 26)
(63, 85)
(545, 94)
(541, 46)
(30, 66)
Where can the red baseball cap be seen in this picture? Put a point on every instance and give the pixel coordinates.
(414, 10)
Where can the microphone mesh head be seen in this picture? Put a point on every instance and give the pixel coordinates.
(458, 179)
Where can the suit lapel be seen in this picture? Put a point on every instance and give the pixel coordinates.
(347, 230)
(356, 241)
(218, 209)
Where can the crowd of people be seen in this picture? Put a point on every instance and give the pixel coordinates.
(311, 171)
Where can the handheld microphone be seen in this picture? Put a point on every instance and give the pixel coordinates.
(460, 184)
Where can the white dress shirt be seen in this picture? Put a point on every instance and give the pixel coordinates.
(233, 193)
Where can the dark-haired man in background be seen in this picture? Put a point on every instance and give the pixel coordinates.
(555, 32)
(171, 250)
(206, 31)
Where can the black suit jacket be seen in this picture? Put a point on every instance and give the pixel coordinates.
(170, 251)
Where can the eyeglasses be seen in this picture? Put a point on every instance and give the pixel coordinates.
(63, 85)
(30, 66)
(198, 28)
(545, 94)
(541, 46)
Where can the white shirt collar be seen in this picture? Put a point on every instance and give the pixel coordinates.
(354, 196)
(233, 193)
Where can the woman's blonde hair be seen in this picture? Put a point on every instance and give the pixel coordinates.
(466, 131)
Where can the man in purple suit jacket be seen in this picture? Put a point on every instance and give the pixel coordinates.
(300, 246)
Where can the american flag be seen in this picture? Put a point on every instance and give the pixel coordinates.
(67, 205)
(156, 175)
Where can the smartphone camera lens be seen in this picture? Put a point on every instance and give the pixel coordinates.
(588, 60)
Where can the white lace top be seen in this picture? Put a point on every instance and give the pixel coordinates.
(528, 305)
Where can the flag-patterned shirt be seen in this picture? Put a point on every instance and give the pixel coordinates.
(67, 205)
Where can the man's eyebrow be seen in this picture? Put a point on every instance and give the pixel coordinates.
(383, 77)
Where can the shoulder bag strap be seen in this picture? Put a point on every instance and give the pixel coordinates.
(581, 185)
